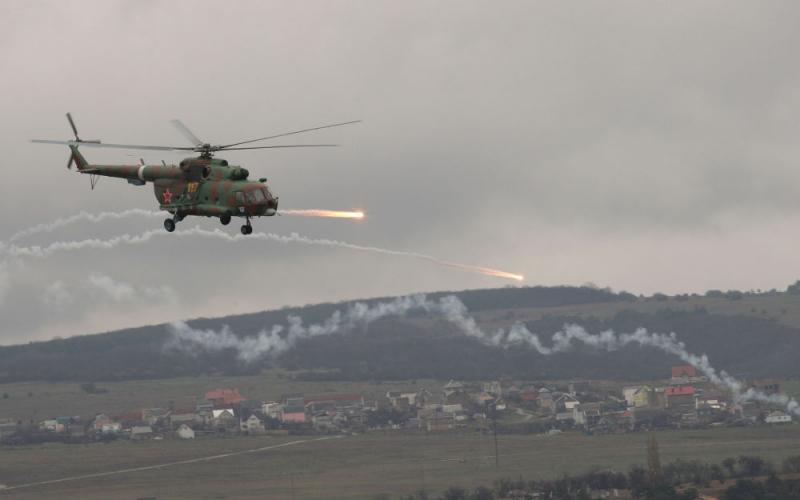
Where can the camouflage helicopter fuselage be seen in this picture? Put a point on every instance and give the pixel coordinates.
(196, 186)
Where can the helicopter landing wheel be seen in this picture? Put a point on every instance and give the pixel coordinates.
(169, 225)
(247, 229)
(225, 219)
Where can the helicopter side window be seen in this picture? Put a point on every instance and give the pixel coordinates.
(239, 198)
(196, 173)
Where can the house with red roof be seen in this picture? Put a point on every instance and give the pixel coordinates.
(293, 414)
(332, 401)
(684, 371)
(224, 397)
(680, 397)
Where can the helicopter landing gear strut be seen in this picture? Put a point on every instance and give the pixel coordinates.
(247, 228)
(169, 224)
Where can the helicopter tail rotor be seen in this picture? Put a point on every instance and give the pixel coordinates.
(77, 139)
(75, 156)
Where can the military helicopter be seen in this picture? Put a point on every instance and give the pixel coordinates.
(201, 186)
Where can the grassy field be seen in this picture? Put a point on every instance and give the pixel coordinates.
(357, 466)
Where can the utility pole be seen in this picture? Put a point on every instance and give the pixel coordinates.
(493, 407)
(654, 462)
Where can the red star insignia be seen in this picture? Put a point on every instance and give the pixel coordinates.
(167, 196)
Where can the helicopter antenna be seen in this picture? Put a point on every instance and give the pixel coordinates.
(289, 133)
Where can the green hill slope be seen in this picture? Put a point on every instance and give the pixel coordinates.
(750, 335)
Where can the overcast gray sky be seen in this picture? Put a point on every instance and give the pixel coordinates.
(645, 146)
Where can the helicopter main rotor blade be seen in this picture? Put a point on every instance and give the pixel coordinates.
(119, 146)
(289, 133)
(183, 129)
(285, 146)
(72, 124)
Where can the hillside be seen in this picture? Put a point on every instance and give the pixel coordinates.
(750, 335)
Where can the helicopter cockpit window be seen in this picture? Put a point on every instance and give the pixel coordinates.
(239, 198)
(255, 196)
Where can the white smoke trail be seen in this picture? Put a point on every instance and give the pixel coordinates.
(126, 239)
(82, 216)
(275, 340)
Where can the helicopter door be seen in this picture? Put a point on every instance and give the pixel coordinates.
(240, 201)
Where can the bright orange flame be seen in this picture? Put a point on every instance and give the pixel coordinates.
(315, 212)
(487, 271)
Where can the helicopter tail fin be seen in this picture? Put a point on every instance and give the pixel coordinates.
(78, 158)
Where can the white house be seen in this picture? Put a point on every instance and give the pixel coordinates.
(111, 428)
(185, 432)
(141, 432)
(272, 409)
(567, 401)
(628, 392)
(253, 425)
(778, 417)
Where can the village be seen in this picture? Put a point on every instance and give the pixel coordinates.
(685, 400)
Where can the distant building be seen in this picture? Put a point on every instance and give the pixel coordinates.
(111, 428)
(643, 397)
(183, 417)
(293, 400)
(684, 371)
(566, 402)
(294, 414)
(407, 400)
(7, 427)
(53, 426)
(494, 388)
(325, 401)
(778, 417)
(141, 432)
(545, 399)
(435, 418)
(224, 417)
(628, 393)
(680, 398)
(711, 401)
(100, 420)
(224, 397)
(152, 416)
(767, 386)
(272, 409)
(253, 425)
(528, 397)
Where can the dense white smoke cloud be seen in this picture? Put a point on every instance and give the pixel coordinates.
(275, 340)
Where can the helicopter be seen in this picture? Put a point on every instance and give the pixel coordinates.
(198, 186)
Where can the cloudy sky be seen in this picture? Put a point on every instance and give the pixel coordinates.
(645, 146)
